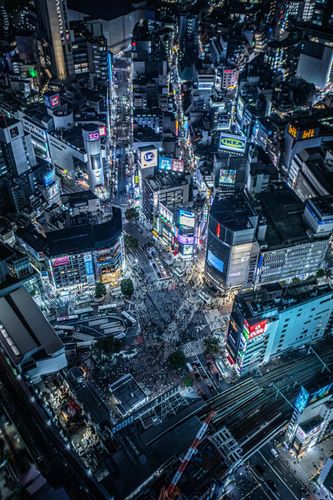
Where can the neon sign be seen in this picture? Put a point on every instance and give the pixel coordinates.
(93, 136)
(251, 331)
(292, 131)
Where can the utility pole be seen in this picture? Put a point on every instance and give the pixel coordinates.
(311, 349)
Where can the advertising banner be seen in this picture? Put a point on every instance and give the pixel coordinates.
(231, 142)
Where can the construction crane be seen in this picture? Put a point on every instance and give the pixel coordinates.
(168, 493)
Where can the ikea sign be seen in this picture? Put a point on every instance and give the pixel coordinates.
(231, 142)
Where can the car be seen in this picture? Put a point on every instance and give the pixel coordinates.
(274, 452)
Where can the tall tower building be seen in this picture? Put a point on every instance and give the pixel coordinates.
(92, 145)
(54, 30)
(16, 159)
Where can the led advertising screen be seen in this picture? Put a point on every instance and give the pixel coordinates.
(185, 240)
(227, 177)
(186, 218)
(48, 178)
(60, 261)
(320, 394)
(187, 250)
(93, 136)
(215, 261)
(177, 165)
(171, 164)
(231, 142)
(165, 213)
(102, 131)
(54, 101)
(302, 399)
(254, 330)
(148, 157)
(165, 163)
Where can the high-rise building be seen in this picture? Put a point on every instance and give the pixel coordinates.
(289, 246)
(267, 322)
(89, 247)
(54, 31)
(315, 64)
(312, 419)
(17, 157)
(232, 249)
(92, 145)
(79, 38)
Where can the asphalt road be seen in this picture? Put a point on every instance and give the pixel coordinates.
(280, 477)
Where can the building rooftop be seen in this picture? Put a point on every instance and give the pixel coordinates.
(24, 328)
(5, 121)
(99, 9)
(92, 405)
(6, 252)
(166, 180)
(232, 211)
(277, 297)
(324, 204)
(33, 238)
(80, 237)
(283, 211)
(128, 394)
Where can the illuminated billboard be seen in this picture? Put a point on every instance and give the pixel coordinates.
(215, 261)
(89, 267)
(292, 131)
(231, 142)
(186, 218)
(102, 131)
(302, 399)
(185, 240)
(227, 177)
(60, 261)
(251, 331)
(187, 250)
(165, 163)
(320, 393)
(48, 178)
(148, 157)
(177, 165)
(54, 101)
(93, 136)
(171, 164)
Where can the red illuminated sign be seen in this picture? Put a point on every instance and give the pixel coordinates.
(60, 261)
(231, 361)
(54, 101)
(102, 131)
(256, 329)
(218, 230)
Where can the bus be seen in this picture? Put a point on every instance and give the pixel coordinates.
(105, 307)
(64, 327)
(205, 297)
(115, 330)
(83, 310)
(129, 318)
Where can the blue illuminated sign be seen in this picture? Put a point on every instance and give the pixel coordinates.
(302, 399)
(215, 261)
(48, 178)
(110, 66)
(88, 264)
(261, 261)
(165, 163)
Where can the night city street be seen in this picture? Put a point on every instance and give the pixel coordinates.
(166, 249)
